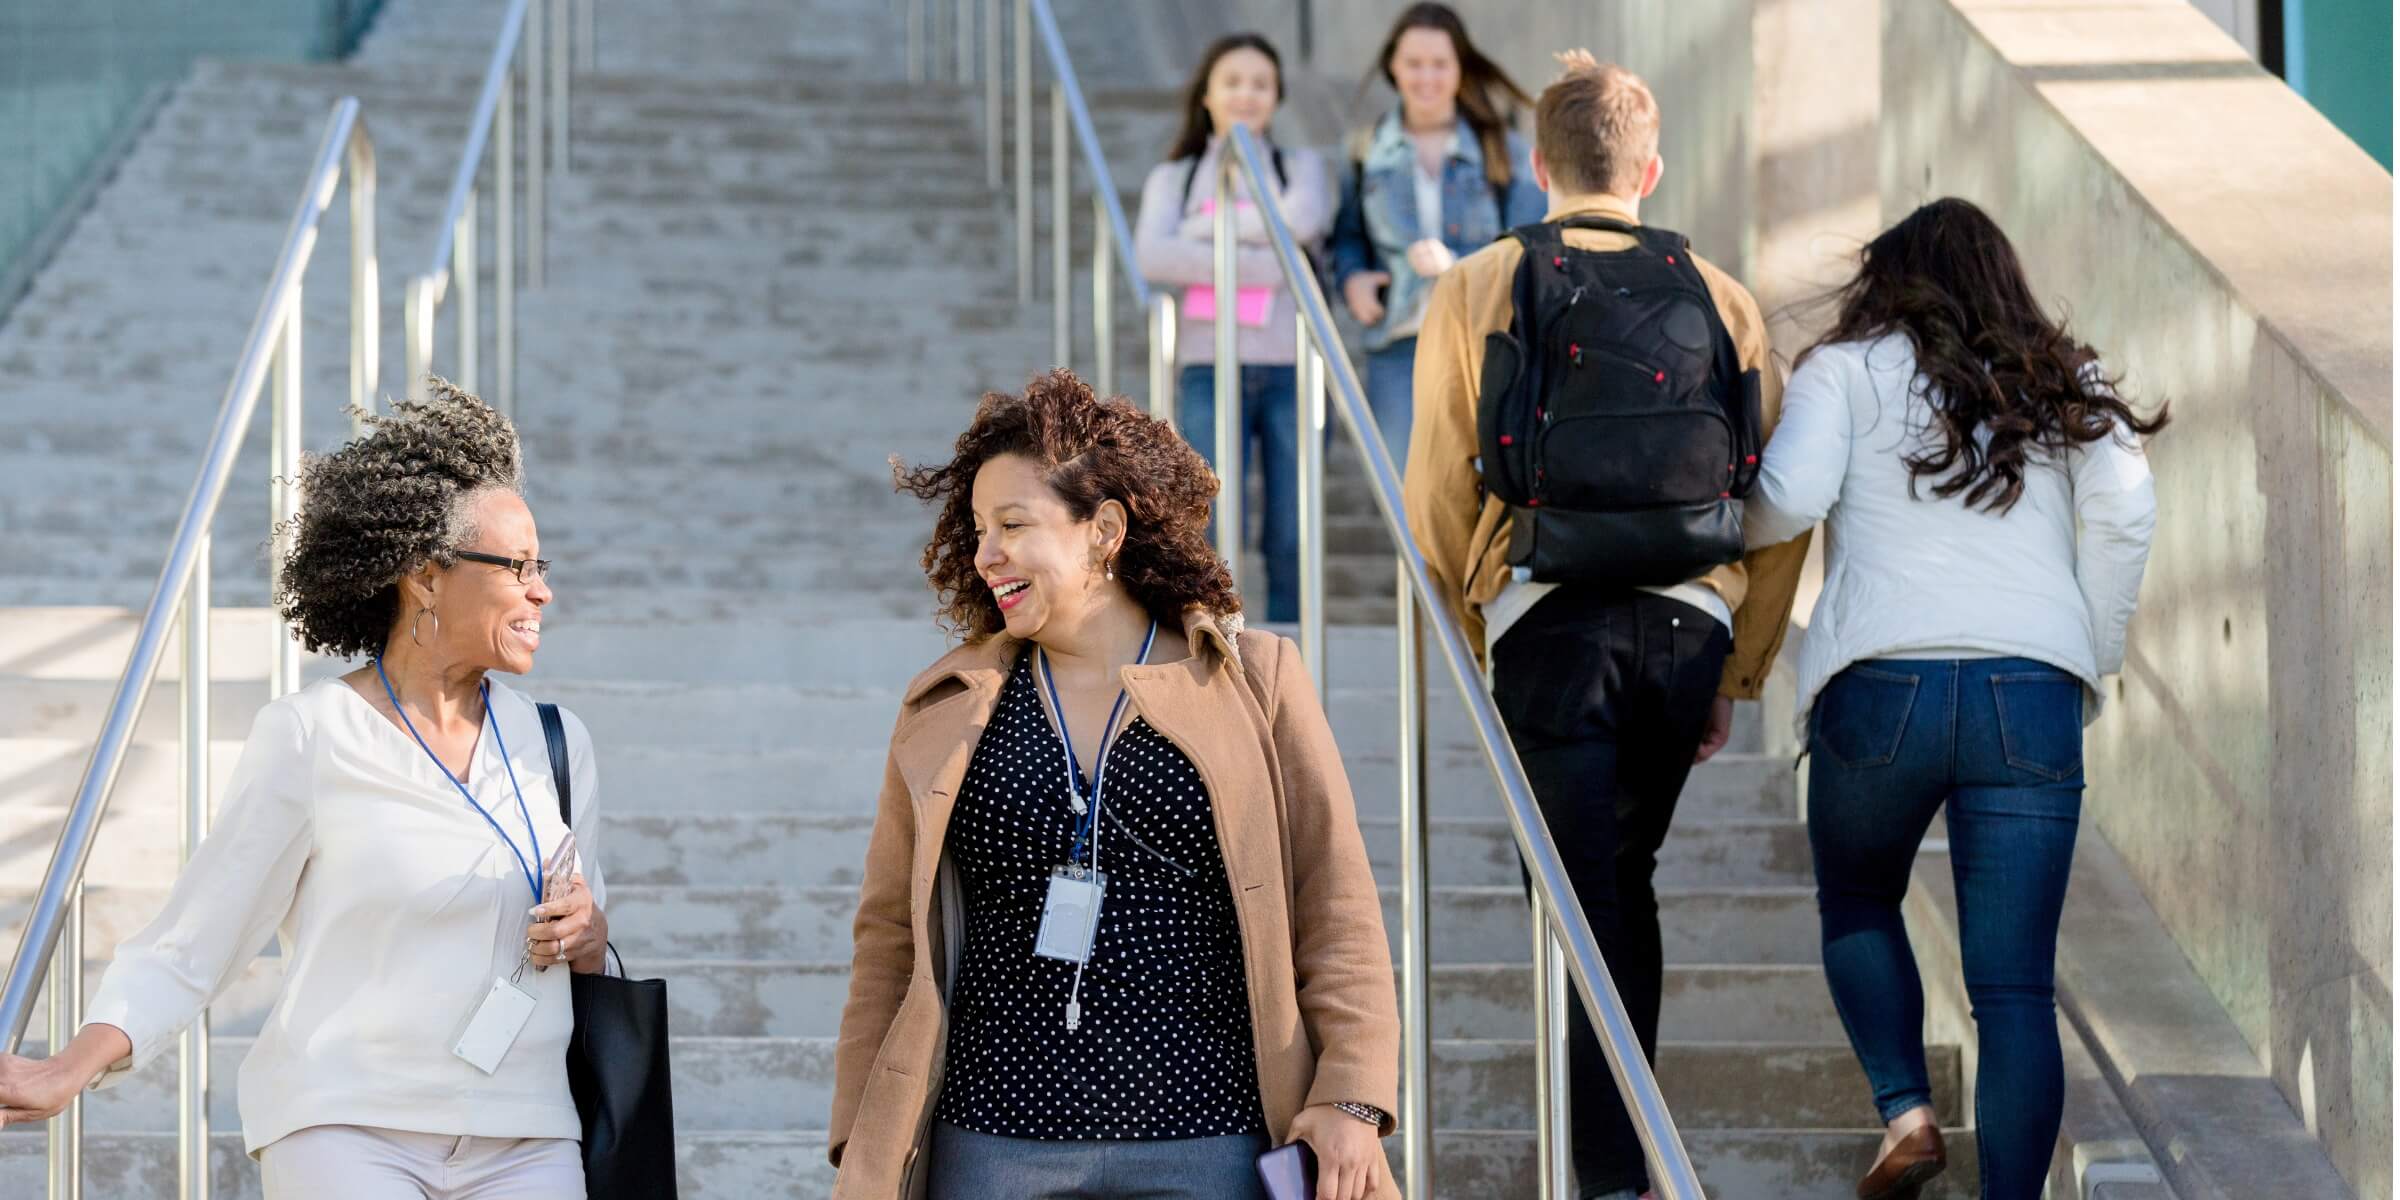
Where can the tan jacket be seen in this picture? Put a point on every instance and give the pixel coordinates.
(1464, 533)
(1324, 1018)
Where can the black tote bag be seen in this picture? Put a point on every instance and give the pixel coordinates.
(617, 1060)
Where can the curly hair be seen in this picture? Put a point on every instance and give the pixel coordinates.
(383, 506)
(1090, 451)
(2009, 385)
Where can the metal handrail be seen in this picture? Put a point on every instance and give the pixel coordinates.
(493, 126)
(1565, 944)
(53, 930)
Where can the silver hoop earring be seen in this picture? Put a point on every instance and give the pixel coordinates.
(422, 613)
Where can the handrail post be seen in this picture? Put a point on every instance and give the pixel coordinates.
(529, 43)
(1557, 1106)
(283, 489)
(1416, 1006)
(1062, 235)
(562, 42)
(192, 1073)
(366, 283)
(1162, 356)
(916, 40)
(1228, 375)
(66, 1016)
(1308, 374)
(966, 42)
(1104, 282)
(416, 335)
(504, 249)
(1550, 1154)
(991, 94)
(1024, 123)
(463, 282)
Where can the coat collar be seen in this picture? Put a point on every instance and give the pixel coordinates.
(1596, 205)
(984, 663)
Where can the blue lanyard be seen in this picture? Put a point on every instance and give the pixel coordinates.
(531, 880)
(1091, 817)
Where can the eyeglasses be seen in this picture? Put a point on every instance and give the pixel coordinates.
(525, 569)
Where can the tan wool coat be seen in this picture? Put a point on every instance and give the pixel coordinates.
(1324, 1019)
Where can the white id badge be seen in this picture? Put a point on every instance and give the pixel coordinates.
(1071, 915)
(494, 1027)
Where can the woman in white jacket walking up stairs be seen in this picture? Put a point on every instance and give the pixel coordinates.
(1988, 513)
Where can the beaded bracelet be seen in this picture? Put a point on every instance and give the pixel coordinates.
(1364, 1112)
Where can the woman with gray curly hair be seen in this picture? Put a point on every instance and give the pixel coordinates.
(391, 827)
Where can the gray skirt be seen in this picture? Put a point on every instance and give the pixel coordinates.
(979, 1166)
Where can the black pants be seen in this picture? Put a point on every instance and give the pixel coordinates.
(1606, 694)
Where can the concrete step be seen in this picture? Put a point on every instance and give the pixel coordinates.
(731, 921)
(1776, 1003)
(1784, 1164)
(714, 717)
(786, 1084)
(783, 848)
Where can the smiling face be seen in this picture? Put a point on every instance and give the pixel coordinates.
(489, 620)
(1424, 67)
(1045, 568)
(1242, 89)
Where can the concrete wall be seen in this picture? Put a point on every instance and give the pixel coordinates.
(2244, 769)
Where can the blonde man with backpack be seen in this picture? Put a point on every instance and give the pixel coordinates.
(1582, 517)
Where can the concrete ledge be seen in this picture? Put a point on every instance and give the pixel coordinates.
(2164, 1097)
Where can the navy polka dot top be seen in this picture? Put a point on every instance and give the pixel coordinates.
(1164, 1048)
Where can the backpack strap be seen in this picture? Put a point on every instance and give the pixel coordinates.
(554, 731)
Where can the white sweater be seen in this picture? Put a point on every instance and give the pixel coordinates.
(1930, 578)
(394, 905)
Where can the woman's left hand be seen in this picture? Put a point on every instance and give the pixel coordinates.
(569, 930)
(1350, 1161)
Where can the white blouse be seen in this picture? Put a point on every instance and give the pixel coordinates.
(1907, 574)
(394, 905)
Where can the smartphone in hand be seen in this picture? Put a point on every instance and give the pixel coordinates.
(1290, 1172)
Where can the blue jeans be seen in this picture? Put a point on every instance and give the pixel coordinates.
(1270, 426)
(1999, 742)
(1392, 394)
(980, 1166)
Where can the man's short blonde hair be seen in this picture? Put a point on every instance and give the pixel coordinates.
(1597, 128)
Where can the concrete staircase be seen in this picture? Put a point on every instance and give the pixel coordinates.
(773, 267)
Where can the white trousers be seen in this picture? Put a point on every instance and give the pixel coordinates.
(358, 1163)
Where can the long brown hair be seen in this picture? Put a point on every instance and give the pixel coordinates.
(1090, 451)
(2005, 379)
(1192, 140)
(1487, 97)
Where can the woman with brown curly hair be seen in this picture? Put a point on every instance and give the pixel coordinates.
(391, 828)
(1117, 934)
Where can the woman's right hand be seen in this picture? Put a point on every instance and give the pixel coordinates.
(1359, 292)
(35, 1089)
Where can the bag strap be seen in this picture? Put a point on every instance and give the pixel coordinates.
(554, 731)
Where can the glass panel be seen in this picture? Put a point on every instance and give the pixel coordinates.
(72, 75)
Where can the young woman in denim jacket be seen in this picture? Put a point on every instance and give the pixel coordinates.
(1239, 81)
(1434, 180)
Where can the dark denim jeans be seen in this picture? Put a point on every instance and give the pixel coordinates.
(1270, 427)
(980, 1166)
(1392, 394)
(1999, 742)
(1606, 693)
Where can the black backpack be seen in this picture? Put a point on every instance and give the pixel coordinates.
(1615, 417)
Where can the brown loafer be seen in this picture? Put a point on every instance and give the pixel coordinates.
(1908, 1168)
